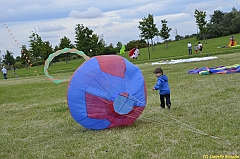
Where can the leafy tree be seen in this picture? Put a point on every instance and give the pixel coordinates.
(231, 22)
(131, 44)
(56, 48)
(46, 50)
(217, 17)
(65, 43)
(215, 26)
(236, 23)
(18, 59)
(110, 50)
(223, 23)
(86, 41)
(97, 45)
(164, 32)
(201, 22)
(178, 37)
(119, 45)
(148, 30)
(8, 58)
(35, 45)
(25, 56)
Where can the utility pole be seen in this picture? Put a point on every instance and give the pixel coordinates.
(175, 31)
(0, 59)
(176, 34)
(148, 50)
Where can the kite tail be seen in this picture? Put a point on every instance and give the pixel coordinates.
(53, 55)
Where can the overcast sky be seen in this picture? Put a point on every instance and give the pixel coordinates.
(117, 21)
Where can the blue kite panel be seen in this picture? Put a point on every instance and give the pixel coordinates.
(76, 99)
(95, 124)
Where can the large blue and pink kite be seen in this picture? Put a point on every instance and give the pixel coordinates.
(105, 91)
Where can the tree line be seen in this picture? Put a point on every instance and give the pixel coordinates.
(85, 40)
(220, 24)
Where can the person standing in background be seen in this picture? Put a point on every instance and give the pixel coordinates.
(189, 45)
(4, 72)
(196, 48)
(200, 46)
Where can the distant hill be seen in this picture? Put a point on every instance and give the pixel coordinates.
(178, 49)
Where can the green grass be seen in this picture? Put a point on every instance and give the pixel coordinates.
(36, 123)
(178, 49)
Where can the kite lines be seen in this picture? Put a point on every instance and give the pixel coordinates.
(10, 33)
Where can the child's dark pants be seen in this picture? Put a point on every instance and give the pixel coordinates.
(168, 102)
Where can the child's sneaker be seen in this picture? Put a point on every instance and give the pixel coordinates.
(169, 106)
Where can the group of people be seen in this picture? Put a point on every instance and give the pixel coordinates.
(197, 47)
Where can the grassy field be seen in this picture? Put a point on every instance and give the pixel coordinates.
(204, 120)
(36, 123)
(177, 50)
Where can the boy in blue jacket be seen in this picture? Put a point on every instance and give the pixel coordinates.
(163, 87)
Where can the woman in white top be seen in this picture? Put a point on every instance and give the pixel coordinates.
(4, 72)
(200, 46)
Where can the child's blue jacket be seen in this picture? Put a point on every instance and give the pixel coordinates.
(162, 85)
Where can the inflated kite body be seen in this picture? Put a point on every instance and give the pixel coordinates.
(106, 91)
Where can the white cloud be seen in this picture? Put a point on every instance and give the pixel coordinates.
(48, 36)
(50, 27)
(89, 13)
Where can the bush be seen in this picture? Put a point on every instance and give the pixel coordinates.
(19, 65)
(37, 63)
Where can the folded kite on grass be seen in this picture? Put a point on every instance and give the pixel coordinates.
(216, 70)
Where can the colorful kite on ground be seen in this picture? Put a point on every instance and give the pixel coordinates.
(133, 53)
(122, 50)
(232, 43)
(106, 91)
(216, 70)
